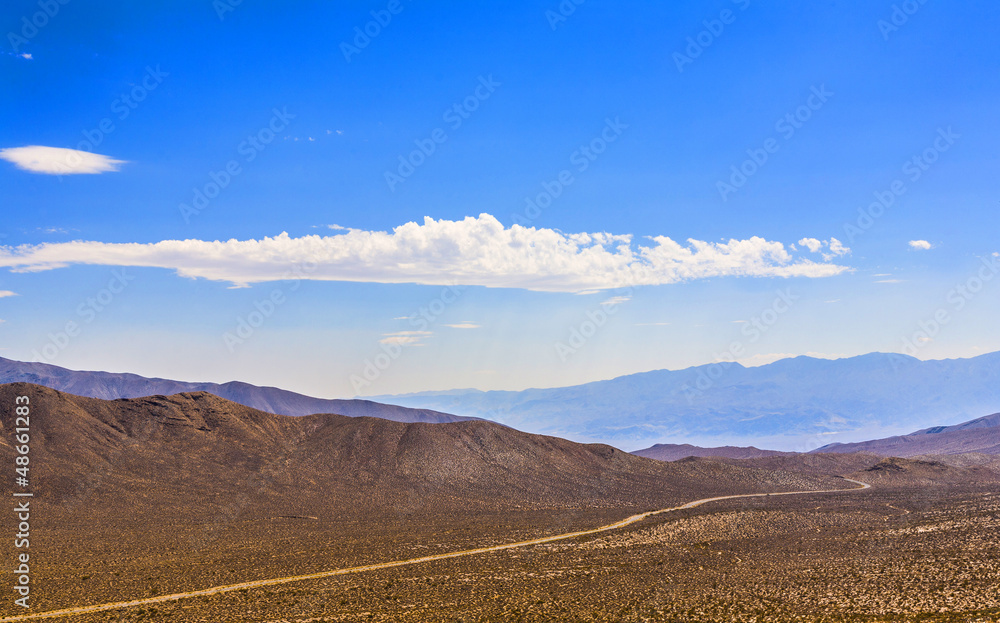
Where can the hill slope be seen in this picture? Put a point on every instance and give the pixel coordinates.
(189, 448)
(981, 435)
(109, 386)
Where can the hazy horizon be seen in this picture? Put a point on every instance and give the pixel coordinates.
(601, 195)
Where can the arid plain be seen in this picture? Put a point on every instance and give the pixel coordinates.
(147, 497)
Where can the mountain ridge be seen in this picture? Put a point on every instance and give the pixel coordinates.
(115, 385)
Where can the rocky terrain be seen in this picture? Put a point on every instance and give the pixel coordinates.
(150, 496)
(927, 555)
(137, 497)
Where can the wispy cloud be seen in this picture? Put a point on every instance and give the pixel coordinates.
(405, 338)
(474, 251)
(616, 300)
(59, 160)
(5, 293)
(922, 245)
(464, 325)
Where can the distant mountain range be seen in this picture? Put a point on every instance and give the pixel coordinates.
(111, 386)
(675, 452)
(798, 403)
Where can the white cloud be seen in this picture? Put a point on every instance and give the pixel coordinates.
(616, 300)
(652, 324)
(58, 160)
(920, 244)
(835, 247)
(812, 244)
(405, 338)
(464, 325)
(474, 251)
(5, 293)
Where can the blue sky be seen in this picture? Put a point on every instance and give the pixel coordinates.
(364, 295)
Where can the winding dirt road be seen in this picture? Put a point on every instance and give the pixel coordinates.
(52, 614)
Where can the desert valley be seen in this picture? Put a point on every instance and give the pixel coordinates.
(141, 500)
(528, 311)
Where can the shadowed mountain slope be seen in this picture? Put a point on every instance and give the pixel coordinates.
(190, 448)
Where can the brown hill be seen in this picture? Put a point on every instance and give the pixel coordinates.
(190, 448)
(903, 471)
(828, 463)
